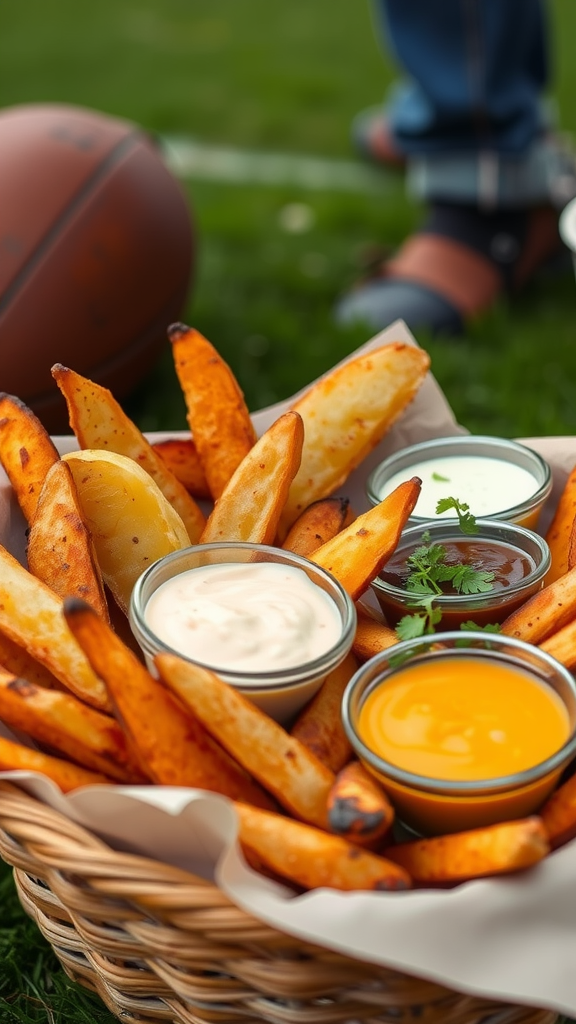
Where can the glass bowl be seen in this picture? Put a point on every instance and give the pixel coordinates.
(431, 805)
(280, 691)
(520, 556)
(498, 478)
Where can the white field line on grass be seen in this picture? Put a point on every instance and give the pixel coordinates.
(189, 158)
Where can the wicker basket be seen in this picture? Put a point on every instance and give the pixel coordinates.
(160, 944)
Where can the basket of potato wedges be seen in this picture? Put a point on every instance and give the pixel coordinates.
(190, 855)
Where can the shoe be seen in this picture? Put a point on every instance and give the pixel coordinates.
(454, 268)
(373, 139)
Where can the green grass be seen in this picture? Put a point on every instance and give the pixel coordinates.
(288, 78)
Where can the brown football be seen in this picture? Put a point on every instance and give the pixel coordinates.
(96, 252)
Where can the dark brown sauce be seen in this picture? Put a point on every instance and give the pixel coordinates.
(509, 564)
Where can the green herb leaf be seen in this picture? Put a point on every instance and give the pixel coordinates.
(466, 521)
(441, 479)
(470, 626)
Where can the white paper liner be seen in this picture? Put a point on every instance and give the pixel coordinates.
(511, 938)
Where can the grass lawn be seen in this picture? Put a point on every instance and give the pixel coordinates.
(279, 78)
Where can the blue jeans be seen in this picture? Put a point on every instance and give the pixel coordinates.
(470, 114)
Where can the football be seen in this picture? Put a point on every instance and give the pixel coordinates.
(96, 252)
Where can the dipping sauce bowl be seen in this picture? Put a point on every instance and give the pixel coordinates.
(497, 478)
(267, 621)
(518, 557)
(462, 729)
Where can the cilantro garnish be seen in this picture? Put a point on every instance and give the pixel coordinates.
(429, 569)
(441, 479)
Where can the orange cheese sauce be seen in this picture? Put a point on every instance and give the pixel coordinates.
(463, 718)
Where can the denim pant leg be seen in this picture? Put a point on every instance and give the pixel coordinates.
(469, 115)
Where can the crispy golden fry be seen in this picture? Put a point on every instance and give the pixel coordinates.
(545, 612)
(356, 555)
(131, 522)
(319, 726)
(346, 414)
(17, 757)
(572, 546)
(60, 548)
(317, 524)
(298, 780)
(560, 530)
(372, 636)
(173, 746)
(182, 459)
(559, 814)
(313, 858)
(250, 505)
(62, 722)
(15, 658)
(216, 411)
(494, 850)
(31, 615)
(98, 421)
(358, 807)
(562, 645)
(26, 451)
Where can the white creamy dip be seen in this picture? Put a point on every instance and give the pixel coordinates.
(245, 617)
(487, 485)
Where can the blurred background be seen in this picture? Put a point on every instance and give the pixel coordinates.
(252, 103)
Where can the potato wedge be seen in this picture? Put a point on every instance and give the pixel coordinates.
(250, 505)
(545, 612)
(60, 549)
(319, 726)
(17, 757)
(63, 723)
(559, 814)
(358, 807)
(98, 421)
(312, 858)
(562, 645)
(216, 411)
(356, 555)
(317, 524)
(173, 746)
(26, 451)
(15, 658)
(31, 616)
(372, 636)
(559, 532)
(180, 456)
(283, 765)
(131, 522)
(346, 413)
(494, 850)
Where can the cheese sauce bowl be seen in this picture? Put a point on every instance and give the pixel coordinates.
(462, 729)
(269, 622)
(498, 478)
(519, 559)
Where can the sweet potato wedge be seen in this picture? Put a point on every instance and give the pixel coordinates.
(312, 858)
(358, 807)
(559, 814)
(174, 748)
(494, 850)
(98, 421)
(65, 724)
(559, 532)
(283, 765)
(562, 645)
(251, 503)
(317, 524)
(545, 612)
(319, 726)
(346, 413)
(372, 636)
(180, 456)
(60, 549)
(356, 555)
(26, 451)
(216, 411)
(68, 776)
